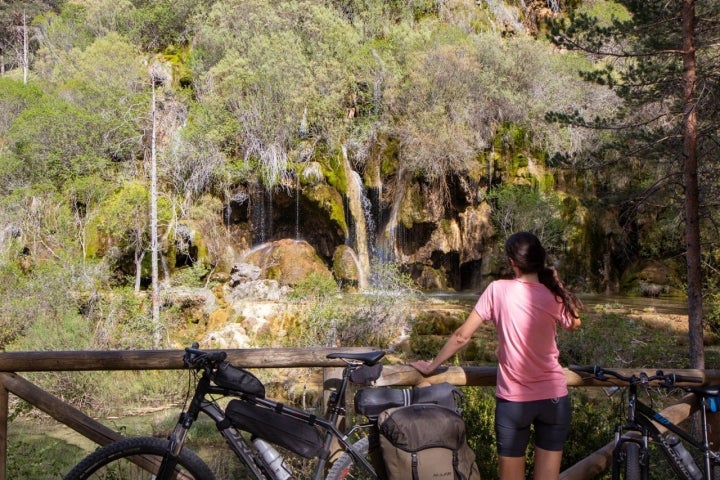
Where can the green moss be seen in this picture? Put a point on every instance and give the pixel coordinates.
(334, 172)
(273, 273)
(330, 201)
(389, 163)
(546, 182)
(178, 59)
(412, 208)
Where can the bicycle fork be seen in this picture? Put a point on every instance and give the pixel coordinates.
(631, 444)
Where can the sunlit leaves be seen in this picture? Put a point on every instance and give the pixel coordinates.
(56, 141)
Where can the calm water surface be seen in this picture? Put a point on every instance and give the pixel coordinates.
(672, 306)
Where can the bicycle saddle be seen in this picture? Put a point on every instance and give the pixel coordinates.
(368, 358)
(705, 390)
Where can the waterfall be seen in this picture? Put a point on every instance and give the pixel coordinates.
(262, 212)
(358, 205)
(389, 240)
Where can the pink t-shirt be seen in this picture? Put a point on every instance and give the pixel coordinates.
(525, 315)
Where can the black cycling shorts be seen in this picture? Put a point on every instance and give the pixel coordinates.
(551, 419)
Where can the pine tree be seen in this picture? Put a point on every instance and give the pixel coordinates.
(660, 57)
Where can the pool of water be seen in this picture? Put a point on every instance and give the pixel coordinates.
(663, 305)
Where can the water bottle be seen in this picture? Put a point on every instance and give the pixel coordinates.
(273, 459)
(685, 458)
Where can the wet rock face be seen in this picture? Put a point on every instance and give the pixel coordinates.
(287, 261)
(346, 267)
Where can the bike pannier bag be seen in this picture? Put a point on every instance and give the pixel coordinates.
(425, 442)
(288, 432)
(371, 401)
(238, 379)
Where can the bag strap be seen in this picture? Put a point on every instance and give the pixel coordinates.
(456, 466)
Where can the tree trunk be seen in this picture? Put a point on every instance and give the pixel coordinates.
(157, 336)
(26, 47)
(690, 183)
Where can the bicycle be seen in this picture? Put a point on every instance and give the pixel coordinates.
(267, 422)
(630, 458)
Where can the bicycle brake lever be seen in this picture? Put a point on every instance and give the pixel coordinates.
(190, 355)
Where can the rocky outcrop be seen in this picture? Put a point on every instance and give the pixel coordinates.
(287, 261)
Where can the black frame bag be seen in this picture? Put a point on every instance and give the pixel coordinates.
(238, 379)
(288, 432)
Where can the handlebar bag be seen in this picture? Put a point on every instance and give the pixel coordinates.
(238, 379)
(371, 401)
(292, 433)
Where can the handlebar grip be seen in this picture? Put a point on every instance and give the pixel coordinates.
(685, 379)
(192, 354)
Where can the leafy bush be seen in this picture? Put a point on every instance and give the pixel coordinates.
(314, 287)
(517, 208)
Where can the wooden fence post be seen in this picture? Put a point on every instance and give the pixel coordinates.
(3, 429)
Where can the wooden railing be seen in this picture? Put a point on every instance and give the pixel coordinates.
(396, 375)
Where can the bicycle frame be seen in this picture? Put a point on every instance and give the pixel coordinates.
(642, 419)
(240, 446)
(647, 415)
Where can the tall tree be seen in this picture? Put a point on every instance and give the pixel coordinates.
(15, 19)
(657, 56)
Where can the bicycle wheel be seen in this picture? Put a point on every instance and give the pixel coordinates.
(715, 468)
(632, 461)
(119, 460)
(345, 467)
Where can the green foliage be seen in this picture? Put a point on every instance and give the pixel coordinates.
(479, 416)
(122, 220)
(626, 341)
(14, 98)
(192, 276)
(517, 207)
(54, 141)
(39, 459)
(593, 422)
(314, 287)
(327, 318)
(388, 278)
(122, 320)
(158, 24)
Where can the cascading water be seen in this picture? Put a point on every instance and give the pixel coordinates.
(262, 211)
(389, 238)
(359, 206)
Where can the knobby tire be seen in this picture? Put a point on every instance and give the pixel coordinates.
(632, 461)
(113, 462)
(344, 468)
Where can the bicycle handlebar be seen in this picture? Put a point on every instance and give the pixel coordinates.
(195, 358)
(666, 380)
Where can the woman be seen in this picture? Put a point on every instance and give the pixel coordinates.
(531, 384)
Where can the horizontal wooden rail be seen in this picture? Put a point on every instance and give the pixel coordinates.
(392, 375)
(164, 359)
(283, 358)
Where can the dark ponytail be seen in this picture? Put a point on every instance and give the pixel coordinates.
(528, 255)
